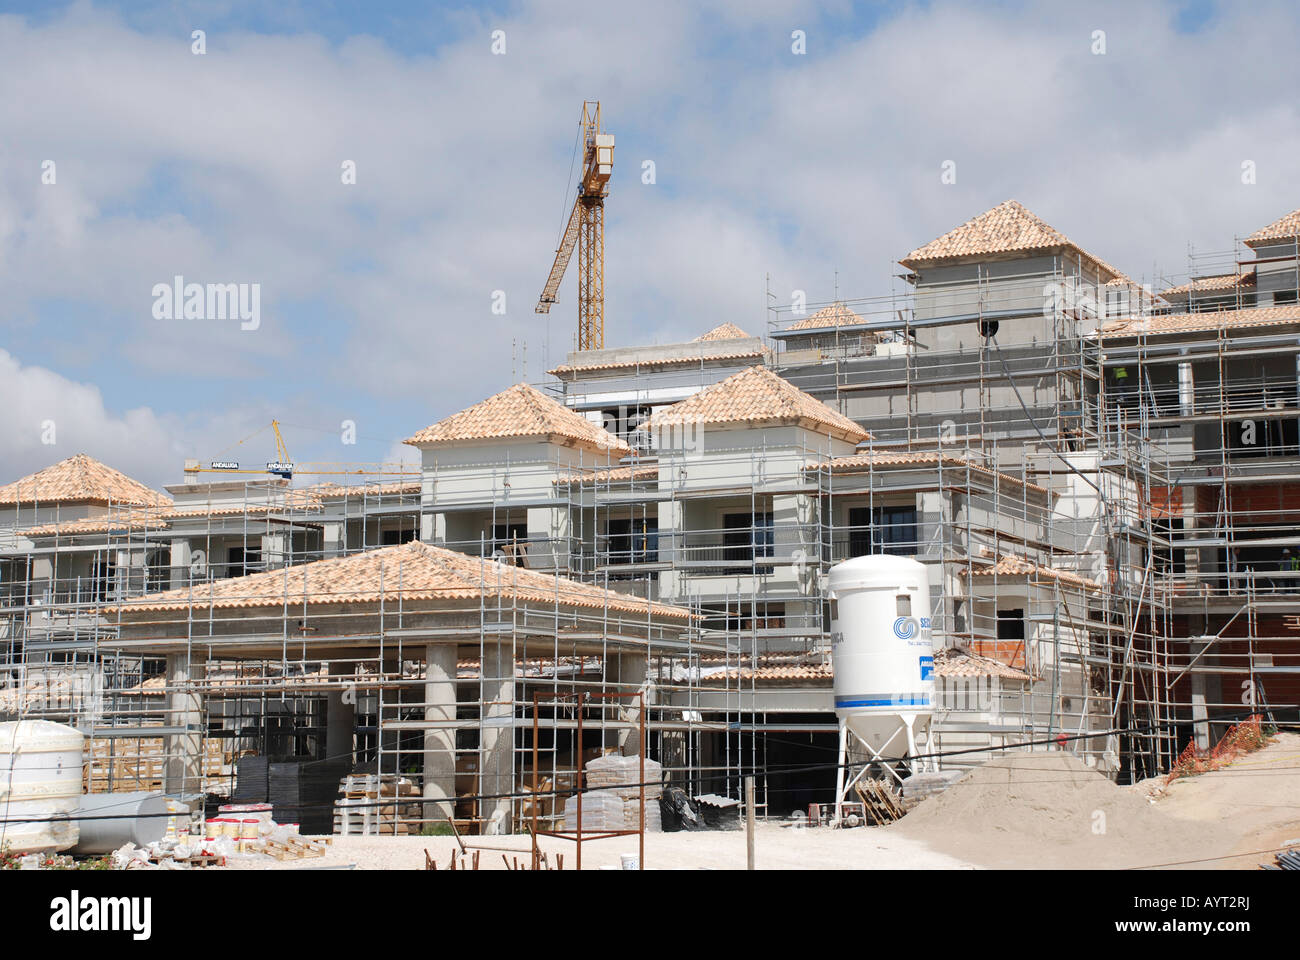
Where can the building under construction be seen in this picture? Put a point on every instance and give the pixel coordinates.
(1101, 476)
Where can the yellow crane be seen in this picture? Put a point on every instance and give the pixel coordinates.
(283, 465)
(586, 231)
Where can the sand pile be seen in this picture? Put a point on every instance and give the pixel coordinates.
(1049, 809)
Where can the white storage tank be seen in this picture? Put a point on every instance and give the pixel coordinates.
(882, 653)
(40, 779)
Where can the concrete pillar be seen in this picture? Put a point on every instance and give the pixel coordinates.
(1200, 706)
(389, 711)
(275, 550)
(179, 563)
(497, 734)
(629, 671)
(332, 535)
(440, 743)
(183, 763)
(341, 717)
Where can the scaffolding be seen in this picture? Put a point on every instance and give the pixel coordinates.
(1108, 557)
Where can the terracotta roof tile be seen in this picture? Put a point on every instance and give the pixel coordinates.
(520, 411)
(1243, 318)
(649, 363)
(960, 663)
(756, 395)
(615, 475)
(93, 525)
(1283, 228)
(1010, 566)
(1007, 228)
(723, 331)
(412, 571)
(80, 479)
(871, 460)
(1227, 281)
(836, 315)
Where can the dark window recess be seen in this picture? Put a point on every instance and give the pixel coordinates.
(1171, 561)
(1284, 296)
(748, 537)
(511, 540)
(882, 530)
(746, 616)
(1261, 437)
(103, 577)
(1011, 624)
(241, 561)
(633, 541)
(390, 538)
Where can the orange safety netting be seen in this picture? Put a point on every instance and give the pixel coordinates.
(1241, 738)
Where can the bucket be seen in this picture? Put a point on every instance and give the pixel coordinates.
(630, 861)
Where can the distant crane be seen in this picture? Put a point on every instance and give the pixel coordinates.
(586, 230)
(285, 468)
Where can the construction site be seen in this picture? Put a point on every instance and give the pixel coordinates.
(617, 580)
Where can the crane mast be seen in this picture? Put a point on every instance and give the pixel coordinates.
(585, 230)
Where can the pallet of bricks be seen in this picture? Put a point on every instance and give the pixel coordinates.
(118, 764)
(612, 800)
(373, 805)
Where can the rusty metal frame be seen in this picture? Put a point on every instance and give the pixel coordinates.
(578, 835)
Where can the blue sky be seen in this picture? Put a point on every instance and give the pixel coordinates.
(376, 296)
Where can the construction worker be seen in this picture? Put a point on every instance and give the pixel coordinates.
(1290, 565)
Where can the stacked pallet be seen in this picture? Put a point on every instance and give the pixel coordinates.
(305, 792)
(602, 810)
(622, 777)
(375, 805)
(123, 764)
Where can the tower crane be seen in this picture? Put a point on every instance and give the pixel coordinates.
(586, 231)
(284, 467)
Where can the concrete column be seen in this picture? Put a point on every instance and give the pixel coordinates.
(179, 563)
(440, 743)
(1200, 706)
(497, 733)
(275, 550)
(332, 543)
(341, 717)
(183, 764)
(629, 671)
(389, 699)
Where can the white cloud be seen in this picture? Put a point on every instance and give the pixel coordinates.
(376, 297)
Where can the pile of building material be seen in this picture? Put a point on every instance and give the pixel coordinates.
(602, 810)
(373, 805)
(623, 776)
(718, 812)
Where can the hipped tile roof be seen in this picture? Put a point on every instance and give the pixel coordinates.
(1227, 281)
(413, 571)
(1283, 228)
(520, 411)
(1007, 228)
(836, 315)
(80, 479)
(756, 396)
(1205, 320)
(723, 331)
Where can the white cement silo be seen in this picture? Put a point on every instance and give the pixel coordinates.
(40, 785)
(882, 656)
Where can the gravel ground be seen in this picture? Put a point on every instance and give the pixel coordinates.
(776, 848)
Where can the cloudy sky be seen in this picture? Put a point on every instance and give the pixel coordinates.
(376, 296)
